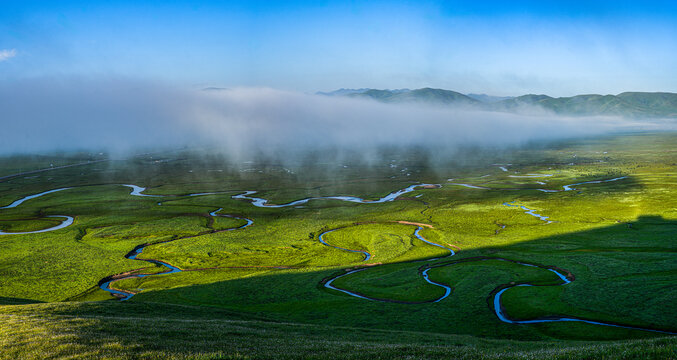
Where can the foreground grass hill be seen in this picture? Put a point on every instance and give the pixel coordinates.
(110, 330)
(628, 104)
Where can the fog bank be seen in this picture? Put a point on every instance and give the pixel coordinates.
(123, 115)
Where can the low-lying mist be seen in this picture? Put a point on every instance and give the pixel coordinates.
(123, 116)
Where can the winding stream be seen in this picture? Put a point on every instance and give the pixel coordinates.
(367, 255)
(125, 295)
(471, 186)
(64, 223)
(328, 284)
(136, 191)
(569, 187)
(260, 202)
(532, 212)
(500, 312)
(132, 255)
(69, 220)
(528, 211)
(20, 201)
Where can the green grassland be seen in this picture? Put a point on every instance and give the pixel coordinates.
(258, 291)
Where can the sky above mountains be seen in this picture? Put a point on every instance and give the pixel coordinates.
(501, 48)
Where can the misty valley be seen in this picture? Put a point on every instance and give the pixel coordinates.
(553, 249)
(415, 180)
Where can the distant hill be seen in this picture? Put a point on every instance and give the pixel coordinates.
(426, 95)
(628, 104)
(489, 98)
(342, 91)
(357, 91)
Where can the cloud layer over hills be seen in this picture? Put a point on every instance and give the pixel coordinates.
(119, 115)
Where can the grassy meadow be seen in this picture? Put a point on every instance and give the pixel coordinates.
(258, 291)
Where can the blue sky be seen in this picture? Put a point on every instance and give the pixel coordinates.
(504, 48)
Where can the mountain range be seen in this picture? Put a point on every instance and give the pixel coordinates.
(627, 104)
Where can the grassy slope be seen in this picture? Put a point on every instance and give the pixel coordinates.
(619, 268)
(133, 331)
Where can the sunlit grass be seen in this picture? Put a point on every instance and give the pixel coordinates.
(616, 238)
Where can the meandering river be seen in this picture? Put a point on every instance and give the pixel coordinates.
(105, 284)
(261, 202)
(329, 283)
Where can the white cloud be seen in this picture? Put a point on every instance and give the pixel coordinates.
(43, 114)
(7, 54)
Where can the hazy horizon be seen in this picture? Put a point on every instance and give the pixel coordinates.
(125, 75)
(122, 115)
(559, 49)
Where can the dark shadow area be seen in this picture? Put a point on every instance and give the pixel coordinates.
(139, 331)
(17, 301)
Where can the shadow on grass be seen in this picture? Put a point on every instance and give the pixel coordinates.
(637, 255)
(147, 331)
(17, 301)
